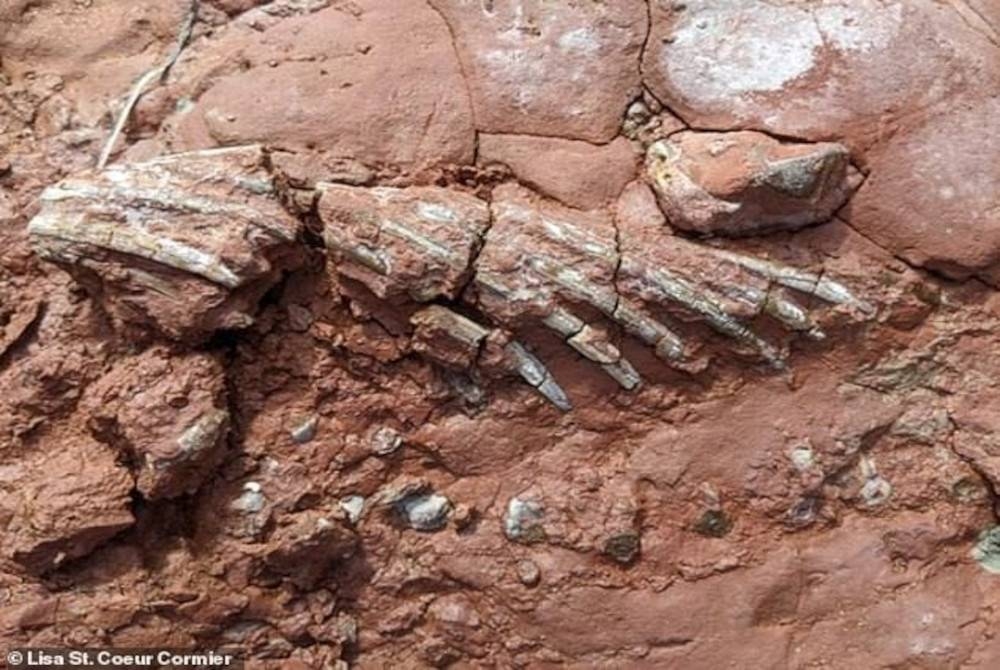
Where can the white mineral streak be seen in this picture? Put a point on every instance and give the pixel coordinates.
(134, 242)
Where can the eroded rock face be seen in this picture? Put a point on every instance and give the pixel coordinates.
(183, 245)
(818, 71)
(165, 414)
(60, 505)
(378, 81)
(743, 183)
(578, 174)
(899, 80)
(943, 211)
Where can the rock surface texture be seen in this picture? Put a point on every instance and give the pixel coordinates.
(449, 333)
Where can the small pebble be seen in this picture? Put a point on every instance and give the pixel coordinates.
(713, 523)
(425, 511)
(802, 457)
(299, 318)
(876, 491)
(462, 516)
(305, 431)
(251, 500)
(354, 506)
(623, 547)
(987, 550)
(523, 520)
(385, 441)
(528, 572)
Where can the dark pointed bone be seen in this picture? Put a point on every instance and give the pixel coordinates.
(537, 375)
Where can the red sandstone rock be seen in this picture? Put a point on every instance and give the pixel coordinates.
(166, 414)
(577, 173)
(95, 50)
(308, 546)
(744, 183)
(848, 71)
(378, 82)
(59, 505)
(934, 193)
(532, 71)
(839, 514)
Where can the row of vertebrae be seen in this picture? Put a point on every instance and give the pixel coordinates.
(188, 243)
(522, 262)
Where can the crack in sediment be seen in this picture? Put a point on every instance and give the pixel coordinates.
(460, 62)
(645, 41)
(990, 36)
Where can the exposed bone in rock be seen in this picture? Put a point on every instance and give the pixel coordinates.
(436, 328)
(166, 413)
(539, 262)
(744, 182)
(184, 244)
(60, 504)
(414, 242)
(725, 518)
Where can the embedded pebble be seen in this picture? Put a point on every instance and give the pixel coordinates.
(251, 500)
(623, 547)
(713, 523)
(876, 491)
(353, 506)
(987, 550)
(385, 441)
(528, 572)
(305, 431)
(425, 511)
(523, 520)
(802, 457)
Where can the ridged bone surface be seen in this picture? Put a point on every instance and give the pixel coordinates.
(183, 244)
(189, 243)
(526, 263)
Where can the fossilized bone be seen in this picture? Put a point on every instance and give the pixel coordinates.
(470, 273)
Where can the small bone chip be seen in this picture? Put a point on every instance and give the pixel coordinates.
(183, 245)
